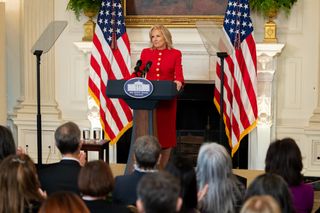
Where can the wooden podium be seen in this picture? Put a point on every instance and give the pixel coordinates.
(142, 108)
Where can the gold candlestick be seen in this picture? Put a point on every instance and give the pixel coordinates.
(89, 26)
(270, 28)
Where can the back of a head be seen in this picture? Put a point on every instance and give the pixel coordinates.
(64, 202)
(214, 163)
(7, 145)
(214, 168)
(261, 204)
(182, 168)
(67, 138)
(273, 185)
(158, 192)
(284, 158)
(147, 150)
(96, 179)
(19, 183)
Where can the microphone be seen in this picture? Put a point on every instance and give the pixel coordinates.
(138, 65)
(147, 68)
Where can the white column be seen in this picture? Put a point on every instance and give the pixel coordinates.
(3, 77)
(260, 138)
(35, 16)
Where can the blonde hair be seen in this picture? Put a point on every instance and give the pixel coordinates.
(261, 204)
(166, 34)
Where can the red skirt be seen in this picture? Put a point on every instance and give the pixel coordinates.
(166, 123)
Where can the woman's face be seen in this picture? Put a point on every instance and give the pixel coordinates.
(158, 40)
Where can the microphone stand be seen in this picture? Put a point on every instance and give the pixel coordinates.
(150, 112)
(143, 74)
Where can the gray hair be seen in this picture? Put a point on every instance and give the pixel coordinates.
(214, 167)
(147, 150)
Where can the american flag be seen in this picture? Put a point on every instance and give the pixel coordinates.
(110, 60)
(240, 109)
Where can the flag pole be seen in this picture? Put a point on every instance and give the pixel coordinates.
(221, 56)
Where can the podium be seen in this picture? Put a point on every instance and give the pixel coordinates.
(142, 108)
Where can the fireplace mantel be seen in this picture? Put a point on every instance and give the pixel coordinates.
(261, 137)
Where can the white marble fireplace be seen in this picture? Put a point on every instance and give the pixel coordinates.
(261, 137)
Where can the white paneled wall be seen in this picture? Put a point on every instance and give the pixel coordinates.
(299, 63)
(3, 82)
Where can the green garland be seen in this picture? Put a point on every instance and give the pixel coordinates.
(79, 6)
(265, 6)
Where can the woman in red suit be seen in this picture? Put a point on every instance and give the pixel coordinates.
(166, 65)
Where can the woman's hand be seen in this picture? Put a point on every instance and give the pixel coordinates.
(20, 151)
(179, 84)
(43, 193)
(202, 192)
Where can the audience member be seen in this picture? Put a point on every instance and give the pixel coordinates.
(7, 145)
(63, 176)
(275, 186)
(146, 153)
(64, 202)
(158, 193)
(20, 188)
(219, 189)
(261, 204)
(95, 183)
(182, 168)
(284, 159)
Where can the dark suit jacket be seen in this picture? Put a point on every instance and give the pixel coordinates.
(62, 176)
(125, 188)
(102, 206)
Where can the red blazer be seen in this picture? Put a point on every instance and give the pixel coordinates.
(166, 64)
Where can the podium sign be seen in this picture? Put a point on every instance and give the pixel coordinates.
(162, 90)
(138, 88)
